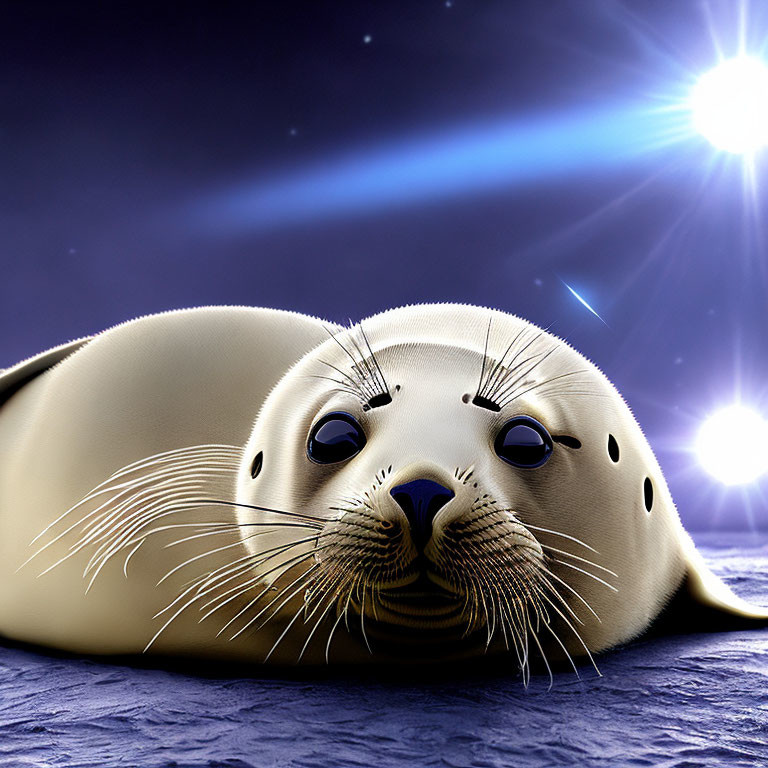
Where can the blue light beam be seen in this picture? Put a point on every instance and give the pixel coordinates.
(469, 160)
(582, 301)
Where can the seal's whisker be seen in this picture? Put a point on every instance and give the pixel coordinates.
(232, 593)
(340, 385)
(485, 357)
(575, 632)
(499, 363)
(113, 532)
(162, 495)
(230, 528)
(586, 573)
(519, 624)
(209, 582)
(220, 600)
(167, 456)
(535, 637)
(104, 524)
(299, 515)
(200, 582)
(324, 587)
(73, 526)
(509, 397)
(536, 360)
(73, 550)
(499, 370)
(364, 382)
(291, 561)
(556, 533)
(239, 543)
(370, 373)
(543, 582)
(385, 386)
(509, 379)
(362, 620)
(282, 634)
(357, 384)
(511, 369)
(129, 556)
(301, 580)
(114, 545)
(320, 619)
(564, 649)
(178, 613)
(490, 619)
(343, 566)
(334, 590)
(567, 586)
(342, 614)
(579, 559)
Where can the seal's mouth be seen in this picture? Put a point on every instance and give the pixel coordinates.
(421, 602)
(421, 612)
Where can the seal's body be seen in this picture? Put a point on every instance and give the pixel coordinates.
(148, 386)
(438, 481)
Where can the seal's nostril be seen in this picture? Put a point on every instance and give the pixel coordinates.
(421, 500)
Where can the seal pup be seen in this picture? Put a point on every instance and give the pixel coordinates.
(436, 482)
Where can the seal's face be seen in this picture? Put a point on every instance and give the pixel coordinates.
(459, 484)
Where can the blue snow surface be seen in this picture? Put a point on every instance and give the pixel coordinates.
(675, 702)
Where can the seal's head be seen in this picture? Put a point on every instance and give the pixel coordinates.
(449, 477)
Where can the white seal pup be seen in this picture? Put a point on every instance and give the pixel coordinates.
(436, 482)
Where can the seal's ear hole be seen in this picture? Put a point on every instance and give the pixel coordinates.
(466, 398)
(567, 441)
(258, 461)
(648, 493)
(613, 449)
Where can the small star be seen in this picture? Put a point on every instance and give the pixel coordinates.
(72, 251)
(293, 132)
(448, 3)
(678, 361)
(538, 282)
(367, 39)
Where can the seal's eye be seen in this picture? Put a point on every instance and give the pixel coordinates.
(336, 437)
(523, 442)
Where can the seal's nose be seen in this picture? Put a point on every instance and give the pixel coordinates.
(420, 500)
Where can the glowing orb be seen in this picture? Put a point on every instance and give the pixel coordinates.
(730, 105)
(733, 445)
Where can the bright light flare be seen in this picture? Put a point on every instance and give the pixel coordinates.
(733, 445)
(730, 105)
(582, 301)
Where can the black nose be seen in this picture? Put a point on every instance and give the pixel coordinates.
(421, 500)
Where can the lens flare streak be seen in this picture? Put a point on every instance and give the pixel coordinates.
(583, 302)
(477, 158)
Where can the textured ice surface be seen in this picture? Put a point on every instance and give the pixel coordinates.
(675, 702)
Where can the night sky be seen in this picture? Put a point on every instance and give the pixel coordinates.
(339, 158)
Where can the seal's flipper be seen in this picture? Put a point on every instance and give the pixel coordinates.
(711, 597)
(704, 603)
(11, 379)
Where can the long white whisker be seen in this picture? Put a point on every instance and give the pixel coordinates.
(586, 573)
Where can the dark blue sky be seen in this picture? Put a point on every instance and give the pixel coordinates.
(139, 143)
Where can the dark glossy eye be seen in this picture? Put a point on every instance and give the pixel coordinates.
(523, 442)
(336, 437)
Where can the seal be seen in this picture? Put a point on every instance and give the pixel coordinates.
(436, 482)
